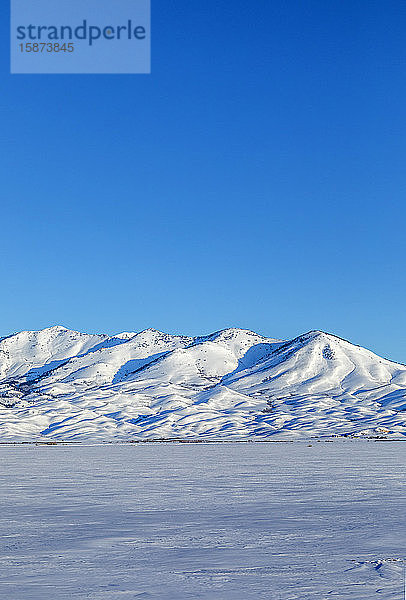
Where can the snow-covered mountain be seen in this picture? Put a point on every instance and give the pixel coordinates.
(62, 384)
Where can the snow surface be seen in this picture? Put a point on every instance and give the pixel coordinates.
(231, 521)
(234, 383)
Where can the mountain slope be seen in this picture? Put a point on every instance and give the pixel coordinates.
(234, 383)
(30, 353)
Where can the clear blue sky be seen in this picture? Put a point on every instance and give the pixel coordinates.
(256, 179)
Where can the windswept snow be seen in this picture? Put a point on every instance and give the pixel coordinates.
(238, 521)
(233, 383)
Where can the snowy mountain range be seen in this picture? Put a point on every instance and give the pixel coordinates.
(232, 384)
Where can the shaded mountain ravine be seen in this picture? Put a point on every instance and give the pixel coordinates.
(231, 384)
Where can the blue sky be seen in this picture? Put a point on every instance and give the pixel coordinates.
(256, 178)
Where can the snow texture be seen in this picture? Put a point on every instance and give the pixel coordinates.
(229, 521)
(233, 384)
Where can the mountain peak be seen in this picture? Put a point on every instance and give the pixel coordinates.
(56, 328)
(320, 335)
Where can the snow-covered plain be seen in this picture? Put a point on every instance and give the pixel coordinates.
(231, 521)
(66, 385)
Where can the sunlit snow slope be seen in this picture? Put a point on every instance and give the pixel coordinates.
(61, 384)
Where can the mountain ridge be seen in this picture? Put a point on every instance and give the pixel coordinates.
(233, 383)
